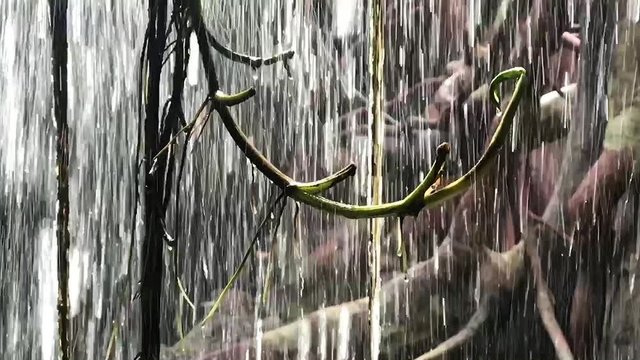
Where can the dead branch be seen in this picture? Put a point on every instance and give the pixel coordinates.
(575, 162)
(499, 272)
(469, 202)
(395, 105)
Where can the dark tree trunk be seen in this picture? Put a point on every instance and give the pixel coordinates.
(152, 246)
(58, 12)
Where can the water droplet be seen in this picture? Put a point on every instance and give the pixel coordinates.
(154, 167)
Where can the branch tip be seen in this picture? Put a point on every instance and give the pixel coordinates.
(322, 185)
(234, 99)
(443, 149)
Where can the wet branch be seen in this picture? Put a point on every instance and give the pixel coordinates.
(253, 61)
(58, 12)
(498, 272)
(421, 197)
(412, 203)
(157, 132)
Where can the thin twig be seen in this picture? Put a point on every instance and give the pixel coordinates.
(266, 288)
(253, 61)
(247, 253)
(185, 129)
(110, 353)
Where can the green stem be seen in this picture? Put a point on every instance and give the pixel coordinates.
(499, 138)
(409, 205)
(322, 185)
(234, 99)
(307, 193)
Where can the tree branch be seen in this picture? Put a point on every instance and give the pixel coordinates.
(411, 204)
(253, 61)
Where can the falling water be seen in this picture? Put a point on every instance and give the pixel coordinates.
(306, 119)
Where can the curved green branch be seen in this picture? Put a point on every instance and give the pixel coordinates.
(499, 138)
(322, 185)
(419, 198)
(410, 205)
(306, 193)
(234, 99)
